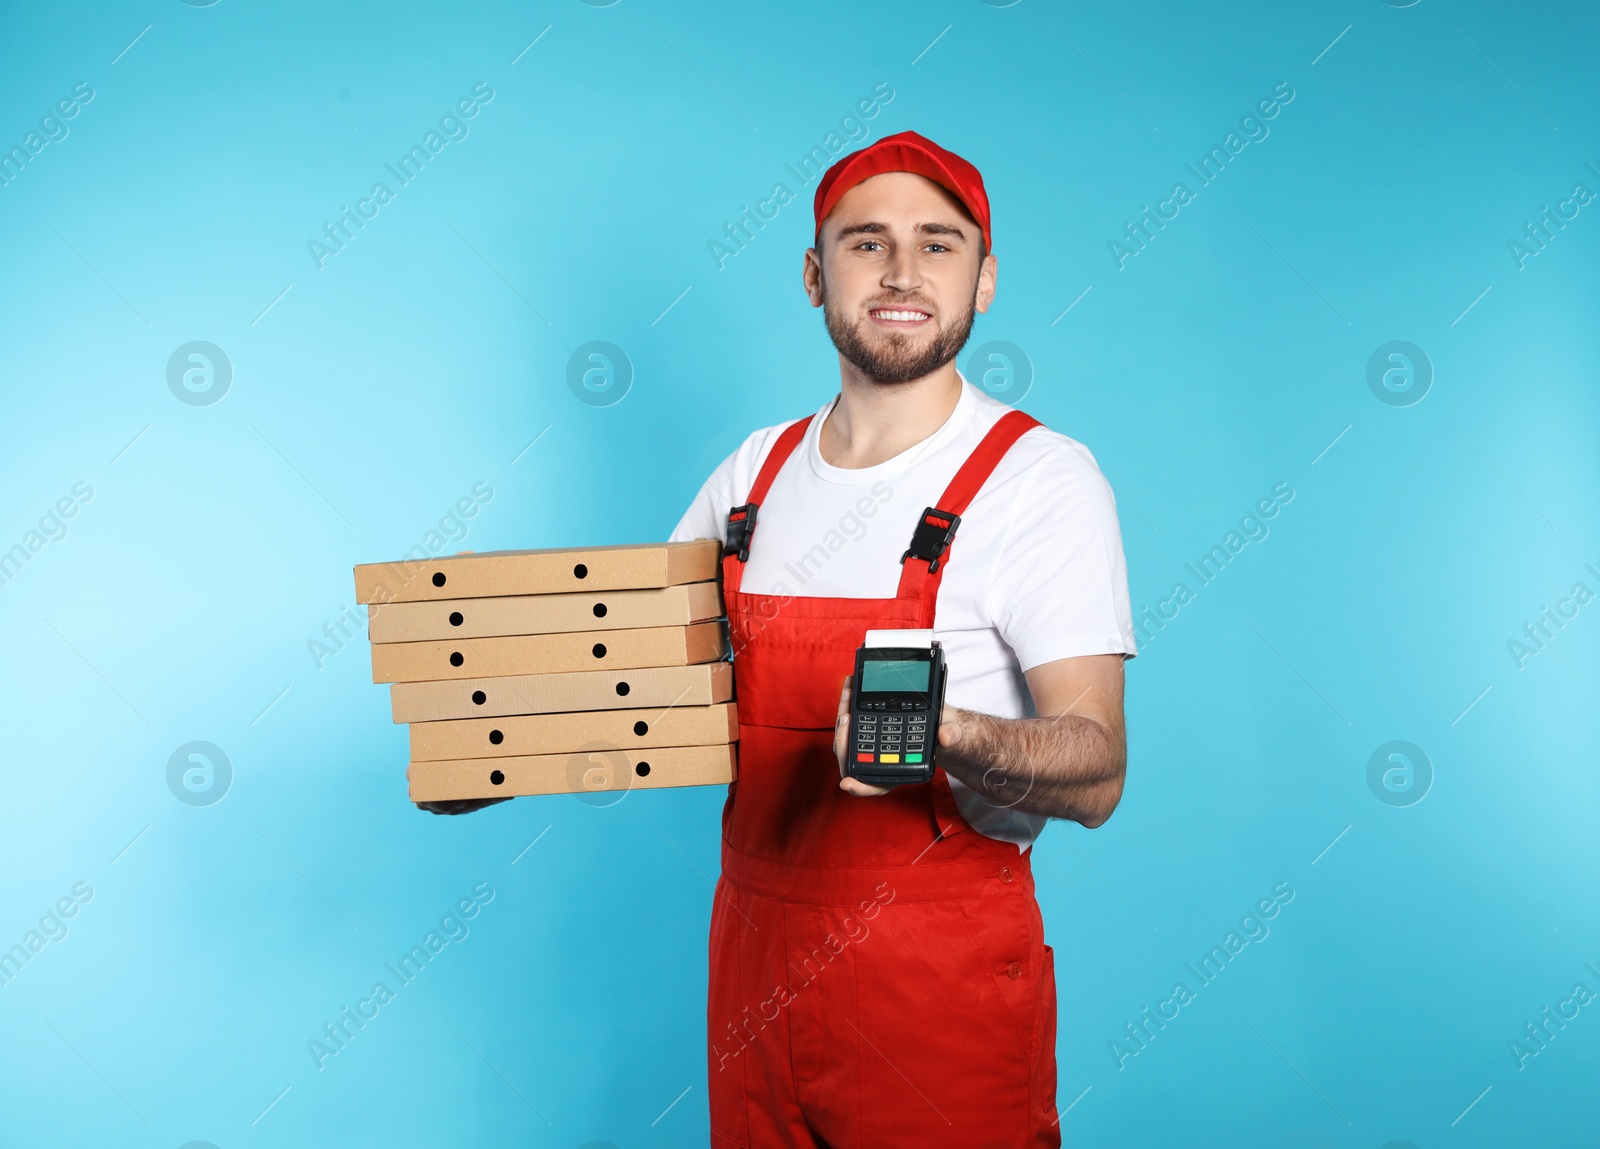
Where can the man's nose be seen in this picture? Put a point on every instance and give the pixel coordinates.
(900, 272)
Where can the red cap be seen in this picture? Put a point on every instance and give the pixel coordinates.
(906, 152)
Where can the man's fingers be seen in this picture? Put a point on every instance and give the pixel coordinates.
(862, 789)
(459, 805)
(841, 724)
(949, 728)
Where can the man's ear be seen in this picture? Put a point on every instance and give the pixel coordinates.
(988, 271)
(811, 276)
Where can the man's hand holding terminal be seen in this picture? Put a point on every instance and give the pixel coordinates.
(1066, 763)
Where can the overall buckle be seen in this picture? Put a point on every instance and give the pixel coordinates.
(741, 526)
(935, 530)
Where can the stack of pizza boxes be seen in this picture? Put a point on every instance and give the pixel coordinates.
(556, 671)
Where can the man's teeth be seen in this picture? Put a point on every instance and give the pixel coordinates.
(901, 316)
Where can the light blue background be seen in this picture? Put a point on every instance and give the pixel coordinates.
(428, 354)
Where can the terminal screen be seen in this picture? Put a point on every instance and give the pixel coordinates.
(885, 675)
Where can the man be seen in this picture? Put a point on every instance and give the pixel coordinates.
(878, 972)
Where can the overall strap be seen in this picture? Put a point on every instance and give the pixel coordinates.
(742, 519)
(922, 566)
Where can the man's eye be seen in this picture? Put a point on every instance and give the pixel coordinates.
(938, 247)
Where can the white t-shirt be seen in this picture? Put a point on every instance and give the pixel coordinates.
(1036, 570)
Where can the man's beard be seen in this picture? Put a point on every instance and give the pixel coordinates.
(896, 359)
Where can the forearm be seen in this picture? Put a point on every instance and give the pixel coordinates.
(1068, 766)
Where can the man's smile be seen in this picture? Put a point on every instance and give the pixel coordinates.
(900, 318)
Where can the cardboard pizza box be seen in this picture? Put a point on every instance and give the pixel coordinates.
(659, 686)
(547, 653)
(543, 613)
(493, 573)
(600, 769)
(517, 735)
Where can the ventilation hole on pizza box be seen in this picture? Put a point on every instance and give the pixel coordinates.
(599, 650)
(622, 688)
(455, 618)
(580, 571)
(497, 776)
(479, 698)
(599, 610)
(642, 769)
(438, 578)
(641, 728)
(495, 738)
(455, 658)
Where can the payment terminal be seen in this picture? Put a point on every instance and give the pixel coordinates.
(895, 702)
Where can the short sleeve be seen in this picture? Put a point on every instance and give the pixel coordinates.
(1060, 582)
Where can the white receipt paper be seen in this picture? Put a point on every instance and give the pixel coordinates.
(903, 638)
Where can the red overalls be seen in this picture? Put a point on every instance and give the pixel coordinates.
(879, 976)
